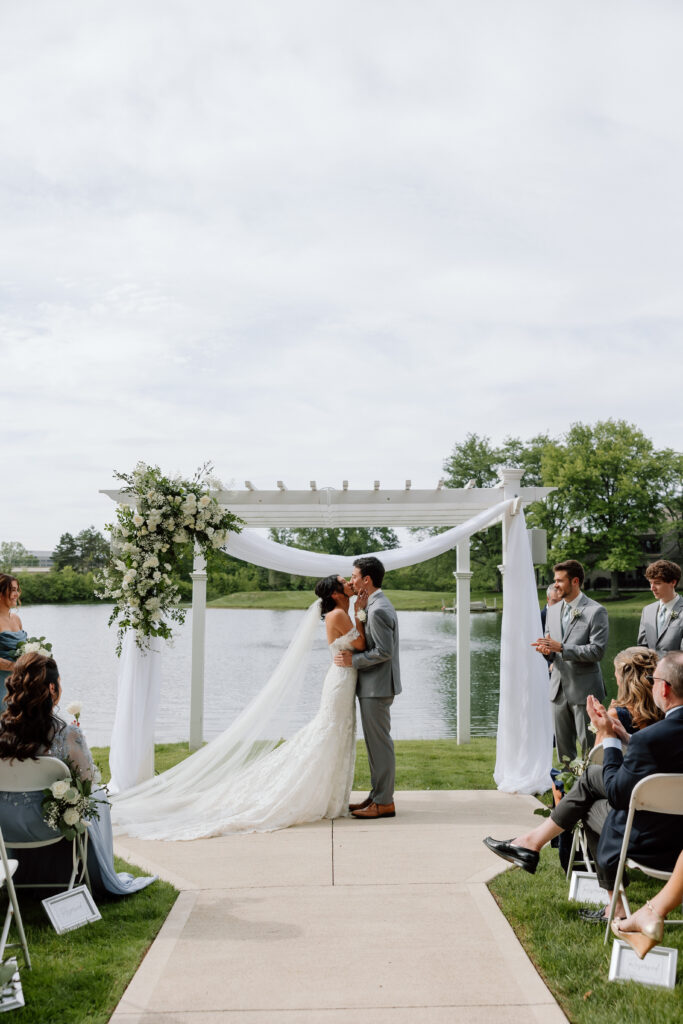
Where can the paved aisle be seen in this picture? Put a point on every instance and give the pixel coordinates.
(387, 922)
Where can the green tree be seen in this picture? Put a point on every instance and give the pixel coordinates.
(612, 486)
(13, 555)
(85, 552)
(351, 540)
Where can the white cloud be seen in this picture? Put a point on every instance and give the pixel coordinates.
(326, 241)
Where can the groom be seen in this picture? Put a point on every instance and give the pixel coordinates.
(379, 680)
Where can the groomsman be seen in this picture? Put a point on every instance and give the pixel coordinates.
(661, 624)
(578, 632)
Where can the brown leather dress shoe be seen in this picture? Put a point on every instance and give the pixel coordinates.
(361, 806)
(374, 810)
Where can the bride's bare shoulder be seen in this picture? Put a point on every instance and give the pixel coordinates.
(337, 623)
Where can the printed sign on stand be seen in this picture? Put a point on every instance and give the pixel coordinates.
(585, 888)
(658, 967)
(71, 909)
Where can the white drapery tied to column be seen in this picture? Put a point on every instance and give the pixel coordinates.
(525, 736)
(251, 547)
(131, 755)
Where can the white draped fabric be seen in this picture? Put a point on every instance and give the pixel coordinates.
(131, 755)
(522, 763)
(525, 735)
(251, 547)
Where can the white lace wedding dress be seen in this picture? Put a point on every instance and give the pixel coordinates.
(306, 778)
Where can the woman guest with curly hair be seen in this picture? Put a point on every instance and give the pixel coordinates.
(11, 630)
(29, 728)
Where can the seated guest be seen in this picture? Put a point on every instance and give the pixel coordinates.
(600, 798)
(645, 928)
(30, 728)
(661, 624)
(634, 705)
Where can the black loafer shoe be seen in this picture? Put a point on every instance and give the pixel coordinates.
(593, 916)
(518, 855)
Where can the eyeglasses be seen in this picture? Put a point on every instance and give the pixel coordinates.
(657, 679)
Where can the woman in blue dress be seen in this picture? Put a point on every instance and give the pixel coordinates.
(11, 632)
(29, 728)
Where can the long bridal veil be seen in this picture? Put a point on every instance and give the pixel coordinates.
(200, 786)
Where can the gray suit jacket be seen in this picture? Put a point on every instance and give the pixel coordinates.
(576, 671)
(672, 637)
(378, 670)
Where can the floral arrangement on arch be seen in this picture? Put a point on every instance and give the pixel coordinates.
(148, 539)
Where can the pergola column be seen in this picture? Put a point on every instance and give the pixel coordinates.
(463, 577)
(198, 577)
(511, 481)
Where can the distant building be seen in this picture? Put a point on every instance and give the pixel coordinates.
(44, 563)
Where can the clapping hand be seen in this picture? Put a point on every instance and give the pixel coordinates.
(604, 724)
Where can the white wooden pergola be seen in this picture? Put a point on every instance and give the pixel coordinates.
(329, 507)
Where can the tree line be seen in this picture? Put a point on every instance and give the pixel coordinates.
(614, 490)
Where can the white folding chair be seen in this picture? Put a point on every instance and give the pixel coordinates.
(659, 794)
(35, 776)
(579, 838)
(7, 869)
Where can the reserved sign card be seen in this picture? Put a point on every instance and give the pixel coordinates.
(658, 967)
(584, 888)
(71, 909)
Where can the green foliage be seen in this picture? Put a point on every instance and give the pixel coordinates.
(57, 587)
(352, 540)
(14, 555)
(611, 483)
(86, 552)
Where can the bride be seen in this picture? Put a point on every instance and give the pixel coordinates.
(241, 783)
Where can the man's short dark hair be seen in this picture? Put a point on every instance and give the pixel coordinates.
(663, 570)
(673, 664)
(573, 569)
(370, 566)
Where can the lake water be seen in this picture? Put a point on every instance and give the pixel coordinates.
(243, 646)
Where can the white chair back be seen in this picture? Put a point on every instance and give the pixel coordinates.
(661, 793)
(26, 776)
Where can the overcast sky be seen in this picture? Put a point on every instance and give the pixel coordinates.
(326, 240)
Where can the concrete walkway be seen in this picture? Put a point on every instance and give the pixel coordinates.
(345, 922)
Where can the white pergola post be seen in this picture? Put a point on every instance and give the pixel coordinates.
(198, 576)
(463, 577)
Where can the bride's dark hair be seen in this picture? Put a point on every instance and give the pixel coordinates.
(324, 590)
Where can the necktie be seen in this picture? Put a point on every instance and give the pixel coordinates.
(661, 619)
(565, 619)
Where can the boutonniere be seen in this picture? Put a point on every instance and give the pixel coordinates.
(362, 615)
(674, 615)
(576, 614)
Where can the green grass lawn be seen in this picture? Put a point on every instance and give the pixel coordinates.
(628, 603)
(79, 977)
(570, 955)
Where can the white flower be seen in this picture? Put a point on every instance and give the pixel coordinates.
(204, 500)
(138, 520)
(151, 562)
(72, 796)
(362, 615)
(74, 708)
(591, 727)
(71, 816)
(60, 789)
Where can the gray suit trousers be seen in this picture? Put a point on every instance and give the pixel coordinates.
(586, 801)
(571, 723)
(375, 713)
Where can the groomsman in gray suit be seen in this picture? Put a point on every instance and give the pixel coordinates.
(576, 633)
(379, 680)
(661, 624)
